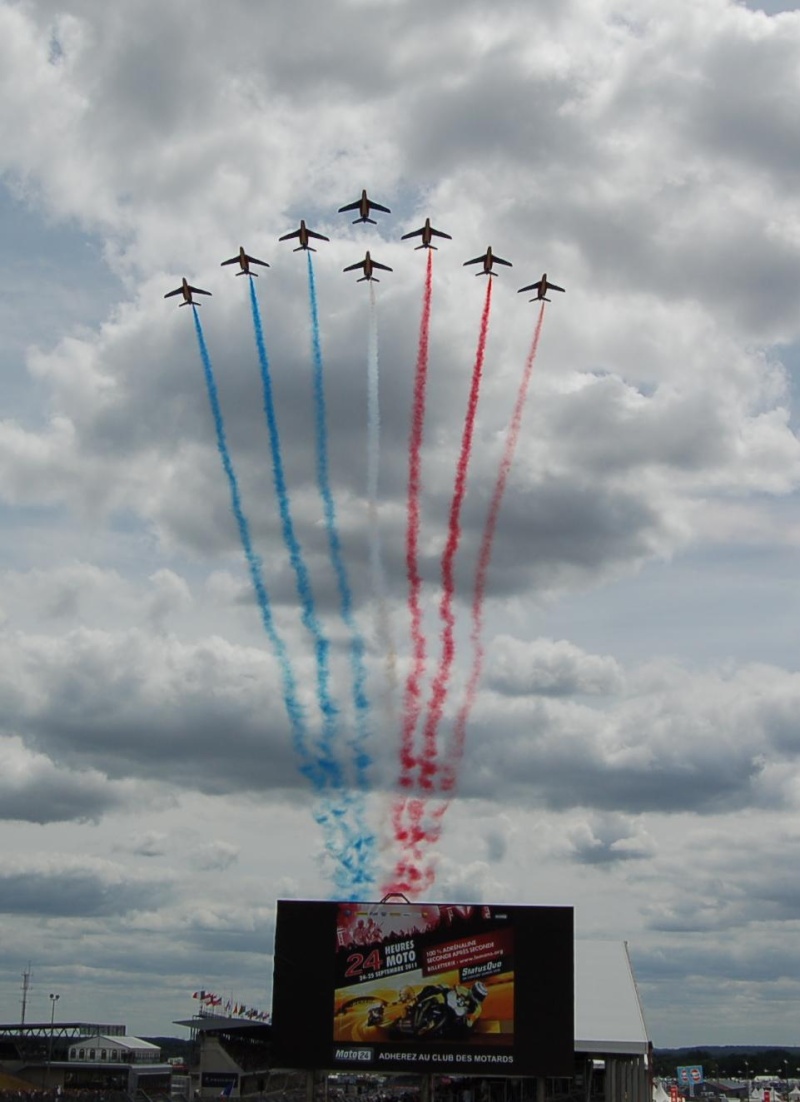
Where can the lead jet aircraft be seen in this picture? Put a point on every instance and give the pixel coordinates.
(488, 259)
(368, 264)
(244, 261)
(304, 233)
(426, 233)
(541, 288)
(187, 293)
(364, 205)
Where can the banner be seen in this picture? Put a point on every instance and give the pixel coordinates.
(690, 1075)
(424, 987)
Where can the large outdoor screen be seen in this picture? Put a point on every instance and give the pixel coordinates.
(423, 987)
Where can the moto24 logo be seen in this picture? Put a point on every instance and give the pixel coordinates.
(354, 1055)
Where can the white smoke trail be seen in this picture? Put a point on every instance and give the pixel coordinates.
(384, 628)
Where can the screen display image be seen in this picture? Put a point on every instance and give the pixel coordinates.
(444, 973)
(424, 987)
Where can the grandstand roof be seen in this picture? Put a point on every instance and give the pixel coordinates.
(608, 1013)
(207, 1023)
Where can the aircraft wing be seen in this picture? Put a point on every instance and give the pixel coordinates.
(374, 206)
(554, 287)
(199, 290)
(177, 291)
(440, 233)
(383, 267)
(414, 233)
(530, 287)
(294, 233)
(351, 206)
(253, 260)
(499, 260)
(360, 264)
(319, 236)
(233, 260)
(477, 260)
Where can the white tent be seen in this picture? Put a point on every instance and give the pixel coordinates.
(659, 1093)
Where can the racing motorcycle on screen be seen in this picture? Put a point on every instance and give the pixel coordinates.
(442, 1011)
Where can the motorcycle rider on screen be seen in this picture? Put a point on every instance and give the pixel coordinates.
(467, 1003)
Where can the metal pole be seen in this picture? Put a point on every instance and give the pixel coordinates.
(26, 982)
(53, 1000)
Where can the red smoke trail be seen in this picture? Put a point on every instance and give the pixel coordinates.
(417, 833)
(454, 757)
(439, 688)
(412, 697)
(413, 873)
(412, 700)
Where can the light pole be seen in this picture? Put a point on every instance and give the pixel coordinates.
(53, 1000)
(747, 1080)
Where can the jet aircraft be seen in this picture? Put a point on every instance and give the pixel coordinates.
(364, 205)
(244, 261)
(488, 259)
(541, 288)
(368, 264)
(187, 293)
(426, 233)
(304, 233)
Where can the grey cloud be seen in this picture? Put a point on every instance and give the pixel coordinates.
(77, 892)
(498, 833)
(215, 856)
(683, 432)
(721, 890)
(171, 595)
(151, 844)
(557, 532)
(34, 789)
(206, 715)
(577, 127)
(550, 668)
(677, 743)
(714, 961)
(178, 948)
(195, 716)
(609, 839)
(752, 123)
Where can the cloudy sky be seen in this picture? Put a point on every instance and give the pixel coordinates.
(634, 750)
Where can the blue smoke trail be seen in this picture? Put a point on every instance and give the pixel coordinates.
(359, 676)
(303, 583)
(348, 876)
(350, 853)
(293, 707)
